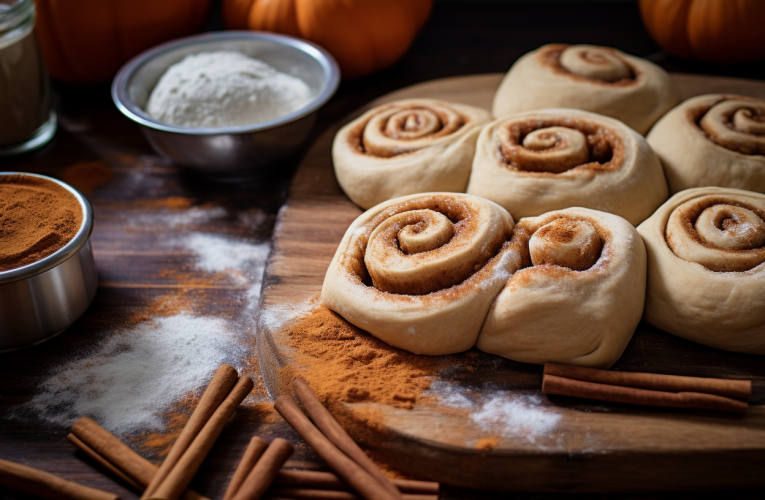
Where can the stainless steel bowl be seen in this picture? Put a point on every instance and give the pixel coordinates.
(40, 300)
(229, 152)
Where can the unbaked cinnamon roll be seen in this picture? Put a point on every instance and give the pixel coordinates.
(706, 268)
(713, 140)
(420, 272)
(598, 79)
(580, 298)
(538, 161)
(407, 147)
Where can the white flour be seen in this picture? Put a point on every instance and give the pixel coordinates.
(130, 379)
(502, 412)
(224, 89)
(216, 253)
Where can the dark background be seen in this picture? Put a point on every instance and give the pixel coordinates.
(462, 37)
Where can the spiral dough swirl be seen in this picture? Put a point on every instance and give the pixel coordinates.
(596, 63)
(602, 80)
(706, 281)
(559, 144)
(405, 128)
(581, 297)
(721, 234)
(407, 147)
(713, 140)
(420, 272)
(738, 125)
(535, 162)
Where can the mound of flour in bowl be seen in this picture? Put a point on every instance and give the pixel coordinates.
(224, 89)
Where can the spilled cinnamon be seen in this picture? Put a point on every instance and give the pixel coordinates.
(37, 218)
(344, 364)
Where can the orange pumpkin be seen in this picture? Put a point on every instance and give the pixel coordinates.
(363, 35)
(719, 31)
(86, 41)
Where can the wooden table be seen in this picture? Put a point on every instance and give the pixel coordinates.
(125, 176)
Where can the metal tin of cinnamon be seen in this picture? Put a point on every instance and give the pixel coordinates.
(41, 299)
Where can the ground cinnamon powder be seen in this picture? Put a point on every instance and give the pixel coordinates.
(37, 217)
(347, 365)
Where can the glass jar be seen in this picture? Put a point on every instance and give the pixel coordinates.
(27, 119)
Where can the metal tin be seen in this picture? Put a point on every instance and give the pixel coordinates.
(40, 300)
(245, 151)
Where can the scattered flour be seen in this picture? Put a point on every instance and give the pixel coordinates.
(216, 253)
(276, 317)
(136, 374)
(177, 218)
(224, 89)
(505, 413)
(513, 416)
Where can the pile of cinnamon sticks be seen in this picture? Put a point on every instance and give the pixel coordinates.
(260, 470)
(647, 389)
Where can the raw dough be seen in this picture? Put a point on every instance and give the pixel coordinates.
(706, 268)
(582, 297)
(538, 161)
(420, 272)
(598, 79)
(713, 140)
(407, 147)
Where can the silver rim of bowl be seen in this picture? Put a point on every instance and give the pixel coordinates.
(62, 254)
(138, 115)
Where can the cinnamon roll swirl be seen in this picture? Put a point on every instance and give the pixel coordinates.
(598, 79)
(580, 297)
(407, 147)
(706, 268)
(713, 140)
(420, 272)
(535, 162)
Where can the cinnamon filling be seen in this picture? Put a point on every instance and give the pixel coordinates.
(733, 122)
(426, 245)
(624, 75)
(571, 243)
(557, 144)
(722, 234)
(399, 129)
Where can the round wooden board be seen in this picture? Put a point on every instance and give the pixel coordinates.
(590, 447)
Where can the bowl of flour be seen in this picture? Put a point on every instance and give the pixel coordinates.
(230, 105)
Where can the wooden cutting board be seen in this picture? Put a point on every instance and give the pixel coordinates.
(592, 447)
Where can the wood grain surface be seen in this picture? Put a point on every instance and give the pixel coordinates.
(594, 447)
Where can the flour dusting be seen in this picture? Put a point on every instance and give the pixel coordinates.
(506, 413)
(131, 378)
(216, 253)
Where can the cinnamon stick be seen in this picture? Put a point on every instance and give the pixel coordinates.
(31, 481)
(187, 465)
(221, 384)
(114, 471)
(335, 433)
(263, 474)
(358, 478)
(552, 384)
(319, 494)
(329, 481)
(91, 439)
(251, 455)
(736, 389)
